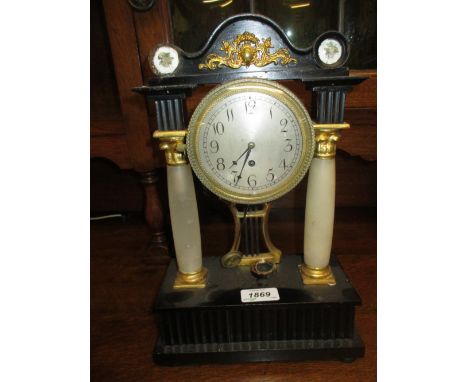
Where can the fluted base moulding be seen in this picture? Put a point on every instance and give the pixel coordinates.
(217, 325)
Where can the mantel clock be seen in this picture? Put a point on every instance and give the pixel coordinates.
(250, 141)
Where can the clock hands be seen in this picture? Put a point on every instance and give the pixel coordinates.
(243, 165)
(250, 146)
(234, 162)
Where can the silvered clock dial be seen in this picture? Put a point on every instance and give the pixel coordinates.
(250, 141)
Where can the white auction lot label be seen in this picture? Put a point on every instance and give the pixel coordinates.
(262, 294)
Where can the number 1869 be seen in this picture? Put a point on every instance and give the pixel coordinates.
(259, 294)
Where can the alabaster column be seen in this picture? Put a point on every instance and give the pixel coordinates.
(184, 218)
(183, 211)
(319, 215)
(320, 207)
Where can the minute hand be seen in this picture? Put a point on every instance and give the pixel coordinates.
(243, 165)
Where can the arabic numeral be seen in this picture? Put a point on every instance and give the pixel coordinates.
(230, 115)
(252, 181)
(214, 145)
(283, 164)
(270, 176)
(288, 146)
(250, 106)
(218, 128)
(220, 164)
(234, 174)
(284, 123)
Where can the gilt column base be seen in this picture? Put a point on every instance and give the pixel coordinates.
(191, 280)
(316, 276)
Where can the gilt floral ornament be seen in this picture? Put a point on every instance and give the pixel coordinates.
(245, 50)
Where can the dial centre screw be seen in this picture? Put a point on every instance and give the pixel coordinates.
(251, 145)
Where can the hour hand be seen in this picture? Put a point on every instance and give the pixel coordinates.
(234, 162)
(250, 146)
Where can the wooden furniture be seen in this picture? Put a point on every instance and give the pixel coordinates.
(122, 132)
(121, 123)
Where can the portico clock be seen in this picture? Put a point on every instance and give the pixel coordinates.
(250, 141)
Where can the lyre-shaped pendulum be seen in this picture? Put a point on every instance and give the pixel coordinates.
(252, 245)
